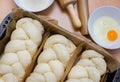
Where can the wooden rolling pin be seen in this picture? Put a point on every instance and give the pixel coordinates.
(83, 11)
(68, 4)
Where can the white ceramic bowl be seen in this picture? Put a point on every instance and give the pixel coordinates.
(109, 11)
(23, 5)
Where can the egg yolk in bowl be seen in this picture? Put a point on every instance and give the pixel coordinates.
(112, 35)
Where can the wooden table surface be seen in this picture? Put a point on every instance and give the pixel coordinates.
(56, 12)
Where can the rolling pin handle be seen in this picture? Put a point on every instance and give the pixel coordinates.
(75, 19)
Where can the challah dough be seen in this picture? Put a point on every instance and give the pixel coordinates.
(89, 68)
(18, 53)
(53, 59)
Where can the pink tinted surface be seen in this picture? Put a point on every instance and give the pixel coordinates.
(56, 12)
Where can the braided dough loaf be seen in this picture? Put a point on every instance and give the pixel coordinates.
(89, 68)
(18, 53)
(53, 60)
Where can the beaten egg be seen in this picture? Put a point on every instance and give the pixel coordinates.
(106, 30)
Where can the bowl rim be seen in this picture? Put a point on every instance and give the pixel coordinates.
(89, 28)
(19, 4)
